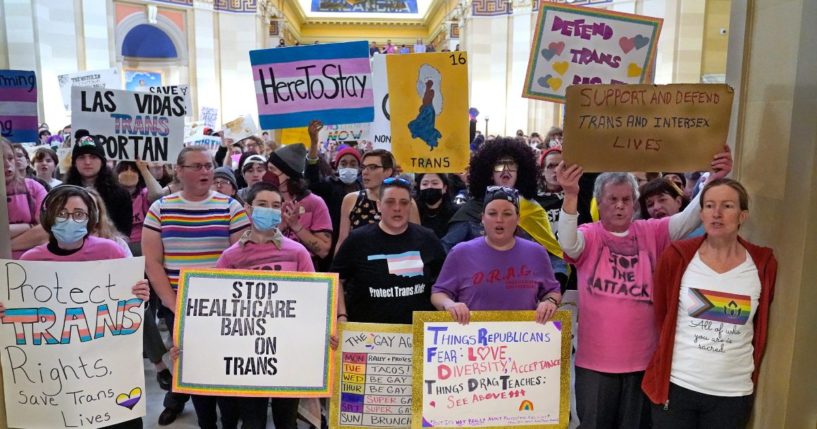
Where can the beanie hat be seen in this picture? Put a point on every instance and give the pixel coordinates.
(226, 174)
(253, 159)
(347, 150)
(86, 144)
(290, 159)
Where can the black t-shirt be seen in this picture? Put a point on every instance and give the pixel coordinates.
(552, 203)
(387, 277)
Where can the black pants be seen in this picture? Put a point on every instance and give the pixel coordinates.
(688, 409)
(253, 412)
(130, 424)
(608, 401)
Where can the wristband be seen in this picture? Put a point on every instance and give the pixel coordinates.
(342, 315)
(551, 299)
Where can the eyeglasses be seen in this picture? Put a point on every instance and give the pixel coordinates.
(506, 165)
(393, 180)
(372, 167)
(197, 167)
(78, 216)
(220, 183)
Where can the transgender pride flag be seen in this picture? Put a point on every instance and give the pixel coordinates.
(18, 106)
(408, 264)
(328, 82)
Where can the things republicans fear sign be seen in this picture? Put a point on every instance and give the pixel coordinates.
(71, 343)
(677, 127)
(328, 82)
(580, 45)
(374, 377)
(18, 106)
(131, 125)
(501, 370)
(255, 333)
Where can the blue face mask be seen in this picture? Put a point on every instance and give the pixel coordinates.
(265, 218)
(69, 232)
(347, 175)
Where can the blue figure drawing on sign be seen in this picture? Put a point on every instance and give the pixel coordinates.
(423, 127)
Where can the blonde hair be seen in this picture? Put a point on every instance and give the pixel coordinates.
(104, 227)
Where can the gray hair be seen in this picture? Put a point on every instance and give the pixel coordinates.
(616, 179)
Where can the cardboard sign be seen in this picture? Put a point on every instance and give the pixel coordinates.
(329, 82)
(295, 135)
(18, 106)
(131, 125)
(255, 333)
(182, 90)
(107, 78)
(501, 370)
(579, 45)
(208, 115)
(374, 377)
(646, 127)
(212, 143)
(240, 128)
(381, 127)
(72, 343)
(428, 96)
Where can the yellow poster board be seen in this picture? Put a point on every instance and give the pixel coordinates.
(428, 98)
(676, 127)
(502, 370)
(295, 135)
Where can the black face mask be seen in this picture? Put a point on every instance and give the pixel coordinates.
(431, 196)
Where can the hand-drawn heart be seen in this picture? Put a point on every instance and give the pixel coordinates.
(561, 67)
(555, 83)
(640, 41)
(129, 400)
(548, 54)
(557, 47)
(543, 81)
(433, 404)
(633, 70)
(626, 44)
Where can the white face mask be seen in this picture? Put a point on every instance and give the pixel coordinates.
(347, 175)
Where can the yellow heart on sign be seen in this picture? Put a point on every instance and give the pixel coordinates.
(560, 67)
(555, 83)
(633, 70)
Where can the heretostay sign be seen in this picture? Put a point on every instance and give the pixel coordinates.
(328, 82)
(131, 125)
(71, 343)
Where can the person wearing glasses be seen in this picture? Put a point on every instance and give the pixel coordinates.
(387, 268)
(360, 208)
(615, 258)
(189, 229)
(498, 271)
(224, 183)
(510, 163)
(69, 216)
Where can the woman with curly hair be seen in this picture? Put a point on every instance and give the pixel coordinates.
(89, 169)
(509, 163)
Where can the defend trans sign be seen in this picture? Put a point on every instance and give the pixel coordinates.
(330, 82)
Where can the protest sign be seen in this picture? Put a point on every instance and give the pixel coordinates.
(182, 90)
(240, 128)
(329, 82)
(212, 143)
(579, 45)
(381, 127)
(107, 78)
(131, 125)
(646, 127)
(72, 343)
(428, 96)
(295, 135)
(18, 106)
(501, 370)
(255, 333)
(208, 115)
(374, 376)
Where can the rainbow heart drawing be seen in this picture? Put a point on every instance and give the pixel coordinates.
(129, 400)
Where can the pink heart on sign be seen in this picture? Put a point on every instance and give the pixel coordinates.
(557, 47)
(433, 404)
(627, 44)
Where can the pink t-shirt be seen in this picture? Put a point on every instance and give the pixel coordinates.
(314, 216)
(24, 206)
(140, 210)
(617, 331)
(292, 256)
(94, 249)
